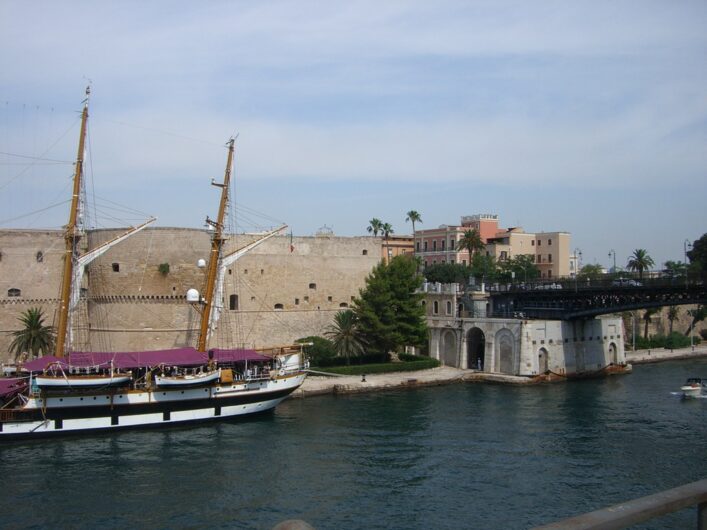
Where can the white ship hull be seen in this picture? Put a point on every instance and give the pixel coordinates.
(57, 414)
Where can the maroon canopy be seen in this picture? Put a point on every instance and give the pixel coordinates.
(143, 359)
(11, 386)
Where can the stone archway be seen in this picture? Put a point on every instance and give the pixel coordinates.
(476, 346)
(613, 354)
(449, 348)
(543, 364)
(505, 346)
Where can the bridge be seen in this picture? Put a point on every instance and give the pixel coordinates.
(570, 299)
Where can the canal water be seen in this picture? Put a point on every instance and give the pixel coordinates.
(459, 456)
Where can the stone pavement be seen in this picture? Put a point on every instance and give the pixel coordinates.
(655, 355)
(443, 375)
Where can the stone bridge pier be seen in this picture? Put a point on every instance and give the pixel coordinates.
(527, 347)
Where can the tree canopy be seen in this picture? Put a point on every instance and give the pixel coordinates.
(447, 273)
(471, 241)
(345, 335)
(389, 309)
(640, 261)
(34, 337)
(413, 217)
(374, 226)
(698, 255)
(591, 271)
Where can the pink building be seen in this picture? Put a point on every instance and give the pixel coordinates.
(441, 245)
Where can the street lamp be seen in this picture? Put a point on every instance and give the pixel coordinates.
(685, 245)
(612, 252)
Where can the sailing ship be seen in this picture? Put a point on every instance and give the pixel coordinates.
(73, 392)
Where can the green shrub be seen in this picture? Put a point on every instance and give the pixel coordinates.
(163, 268)
(406, 357)
(368, 358)
(673, 341)
(320, 351)
(410, 366)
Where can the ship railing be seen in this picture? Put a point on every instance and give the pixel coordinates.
(642, 509)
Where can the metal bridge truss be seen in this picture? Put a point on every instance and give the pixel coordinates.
(572, 301)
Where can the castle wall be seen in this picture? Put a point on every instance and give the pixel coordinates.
(285, 288)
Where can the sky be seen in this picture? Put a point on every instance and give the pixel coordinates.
(585, 117)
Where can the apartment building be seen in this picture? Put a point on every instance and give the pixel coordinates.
(441, 245)
(550, 251)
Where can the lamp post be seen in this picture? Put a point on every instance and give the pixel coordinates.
(685, 245)
(612, 252)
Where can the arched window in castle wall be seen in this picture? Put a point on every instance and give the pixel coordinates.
(233, 302)
(40, 256)
(13, 292)
(279, 307)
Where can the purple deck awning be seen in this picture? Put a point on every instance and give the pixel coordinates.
(11, 386)
(143, 359)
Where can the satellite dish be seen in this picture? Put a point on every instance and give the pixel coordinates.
(192, 295)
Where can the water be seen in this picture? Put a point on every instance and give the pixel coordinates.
(459, 456)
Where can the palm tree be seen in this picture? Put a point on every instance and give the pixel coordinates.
(386, 231)
(647, 314)
(471, 241)
(698, 315)
(345, 335)
(34, 337)
(640, 261)
(413, 217)
(374, 226)
(673, 314)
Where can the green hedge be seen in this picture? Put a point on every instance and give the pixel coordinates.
(410, 366)
(673, 341)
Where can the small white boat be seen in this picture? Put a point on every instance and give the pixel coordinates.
(187, 379)
(60, 381)
(694, 387)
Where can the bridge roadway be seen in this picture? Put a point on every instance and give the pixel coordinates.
(570, 299)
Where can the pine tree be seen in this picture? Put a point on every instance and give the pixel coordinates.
(389, 310)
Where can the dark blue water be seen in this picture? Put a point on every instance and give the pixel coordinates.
(460, 456)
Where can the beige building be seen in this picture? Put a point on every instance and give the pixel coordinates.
(550, 251)
(397, 246)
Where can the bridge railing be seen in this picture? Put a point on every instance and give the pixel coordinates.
(607, 282)
(642, 509)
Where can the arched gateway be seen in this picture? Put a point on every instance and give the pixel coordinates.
(449, 348)
(476, 345)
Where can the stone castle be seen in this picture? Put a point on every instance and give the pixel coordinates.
(134, 296)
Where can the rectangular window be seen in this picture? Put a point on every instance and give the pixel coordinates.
(425, 246)
(539, 242)
(434, 245)
(443, 241)
(532, 243)
(417, 246)
(451, 244)
(549, 258)
(549, 241)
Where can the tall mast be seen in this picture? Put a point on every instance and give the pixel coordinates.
(216, 244)
(71, 238)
